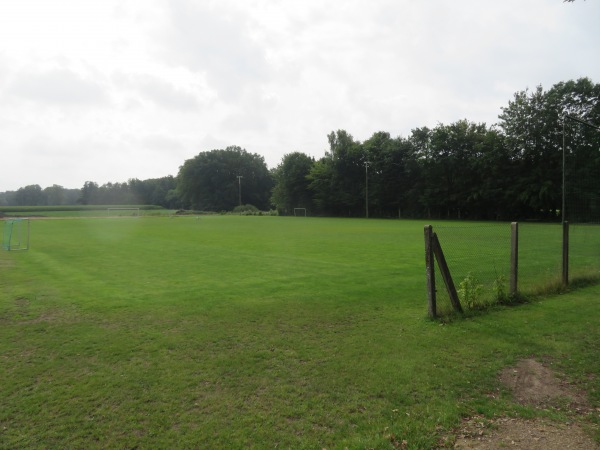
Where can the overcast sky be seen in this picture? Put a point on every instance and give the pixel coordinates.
(108, 90)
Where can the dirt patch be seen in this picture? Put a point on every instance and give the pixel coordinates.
(531, 383)
(535, 434)
(24, 314)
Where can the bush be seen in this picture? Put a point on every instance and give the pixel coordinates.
(469, 292)
(246, 210)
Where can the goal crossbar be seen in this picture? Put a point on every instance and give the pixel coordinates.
(300, 212)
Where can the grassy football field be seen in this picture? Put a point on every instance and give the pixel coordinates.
(255, 332)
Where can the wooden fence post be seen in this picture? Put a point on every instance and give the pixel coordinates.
(565, 254)
(445, 271)
(514, 258)
(430, 272)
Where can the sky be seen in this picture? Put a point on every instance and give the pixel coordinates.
(110, 90)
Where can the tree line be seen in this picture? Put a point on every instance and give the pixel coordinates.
(156, 191)
(463, 170)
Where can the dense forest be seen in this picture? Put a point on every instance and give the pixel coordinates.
(510, 170)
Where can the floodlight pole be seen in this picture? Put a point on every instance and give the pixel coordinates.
(562, 209)
(239, 177)
(583, 122)
(367, 189)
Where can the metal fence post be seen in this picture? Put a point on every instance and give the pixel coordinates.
(430, 271)
(514, 258)
(565, 254)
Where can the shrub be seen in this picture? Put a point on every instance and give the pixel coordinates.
(246, 210)
(499, 288)
(469, 291)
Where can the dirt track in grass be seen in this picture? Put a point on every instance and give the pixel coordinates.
(535, 384)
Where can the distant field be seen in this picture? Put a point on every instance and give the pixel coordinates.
(78, 211)
(259, 332)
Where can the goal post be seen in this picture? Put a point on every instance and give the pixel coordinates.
(123, 212)
(300, 212)
(15, 234)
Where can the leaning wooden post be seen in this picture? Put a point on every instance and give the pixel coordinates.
(445, 271)
(565, 254)
(514, 258)
(430, 272)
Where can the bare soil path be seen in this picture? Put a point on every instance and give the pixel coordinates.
(532, 383)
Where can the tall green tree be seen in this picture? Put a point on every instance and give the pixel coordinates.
(337, 181)
(31, 195)
(322, 187)
(291, 183)
(349, 158)
(210, 181)
(55, 195)
(155, 191)
(115, 194)
(88, 193)
(533, 127)
(8, 198)
(490, 194)
(394, 176)
(452, 170)
(375, 150)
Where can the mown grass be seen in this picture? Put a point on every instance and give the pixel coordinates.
(258, 332)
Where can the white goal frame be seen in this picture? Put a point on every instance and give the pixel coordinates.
(15, 235)
(300, 210)
(135, 211)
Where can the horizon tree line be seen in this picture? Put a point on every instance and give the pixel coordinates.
(463, 170)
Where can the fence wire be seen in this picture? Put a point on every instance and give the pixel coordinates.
(584, 251)
(478, 257)
(540, 256)
(582, 200)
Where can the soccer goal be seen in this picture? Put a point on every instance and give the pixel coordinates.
(300, 212)
(123, 212)
(16, 234)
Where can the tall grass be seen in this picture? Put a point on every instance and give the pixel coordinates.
(256, 332)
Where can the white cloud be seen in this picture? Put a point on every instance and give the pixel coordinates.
(160, 143)
(213, 40)
(160, 92)
(111, 90)
(59, 87)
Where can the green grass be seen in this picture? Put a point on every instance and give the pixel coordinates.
(78, 211)
(254, 332)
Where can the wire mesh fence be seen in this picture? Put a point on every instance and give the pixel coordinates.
(550, 255)
(478, 257)
(582, 196)
(540, 256)
(584, 251)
